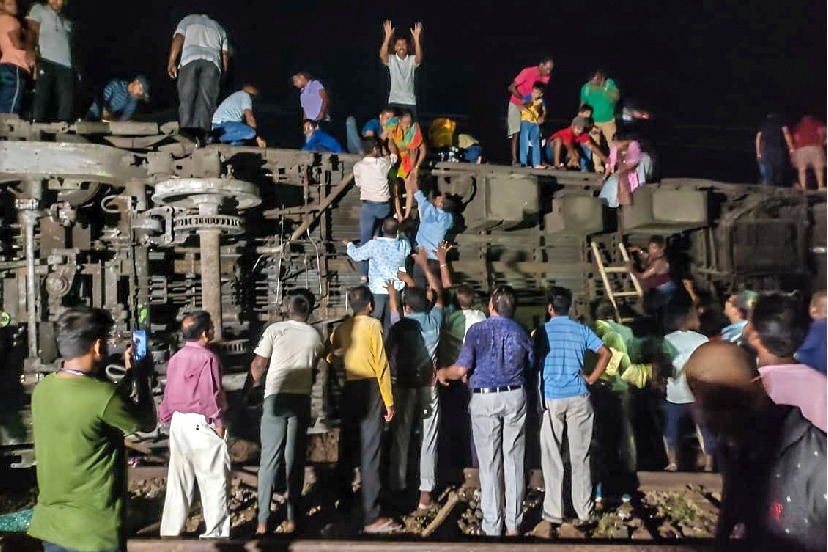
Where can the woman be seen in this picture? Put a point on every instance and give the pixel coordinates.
(629, 167)
(406, 141)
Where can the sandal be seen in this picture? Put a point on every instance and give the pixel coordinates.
(387, 526)
(671, 467)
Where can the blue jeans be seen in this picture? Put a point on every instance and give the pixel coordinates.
(235, 133)
(676, 414)
(530, 136)
(771, 171)
(586, 155)
(51, 547)
(13, 82)
(370, 221)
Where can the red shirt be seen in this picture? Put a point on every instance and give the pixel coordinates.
(525, 80)
(194, 385)
(808, 132)
(568, 137)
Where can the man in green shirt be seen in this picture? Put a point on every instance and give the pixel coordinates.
(79, 422)
(602, 94)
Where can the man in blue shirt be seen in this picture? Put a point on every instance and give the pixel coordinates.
(436, 220)
(234, 122)
(813, 351)
(119, 99)
(737, 308)
(496, 355)
(560, 345)
(319, 141)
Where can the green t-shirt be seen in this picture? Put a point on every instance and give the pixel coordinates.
(79, 425)
(601, 99)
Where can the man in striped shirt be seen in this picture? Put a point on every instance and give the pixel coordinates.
(119, 99)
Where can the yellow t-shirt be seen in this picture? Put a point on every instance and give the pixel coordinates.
(358, 340)
(533, 112)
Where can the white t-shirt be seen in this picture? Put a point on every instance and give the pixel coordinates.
(402, 79)
(472, 316)
(54, 37)
(293, 348)
(678, 392)
(371, 177)
(204, 38)
(233, 107)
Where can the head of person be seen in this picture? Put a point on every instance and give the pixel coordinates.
(390, 227)
(386, 115)
(776, 328)
(56, 5)
(545, 66)
(819, 305)
(604, 310)
(197, 326)
(139, 88)
(503, 302)
(585, 111)
(711, 322)
(361, 300)
(8, 7)
(370, 146)
(414, 299)
(81, 336)
(655, 246)
(406, 119)
(401, 47)
(558, 301)
(251, 90)
(299, 307)
(598, 78)
(579, 125)
(465, 297)
(309, 127)
(301, 79)
(681, 316)
(737, 306)
(444, 203)
(537, 90)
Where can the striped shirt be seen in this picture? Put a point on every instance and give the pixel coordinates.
(117, 100)
(560, 345)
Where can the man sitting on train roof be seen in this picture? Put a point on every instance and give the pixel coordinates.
(119, 99)
(319, 141)
(234, 122)
(563, 146)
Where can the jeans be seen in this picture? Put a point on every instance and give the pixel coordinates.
(354, 140)
(52, 547)
(420, 277)
(586, 155)
(56, 83)
(530, 136)
(13, 82)
(235, 133)
(771, 171)
(198, 90)
(370, 221)
(676, 414)
(285, 419)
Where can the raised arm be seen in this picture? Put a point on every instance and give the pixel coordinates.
(415, 35)
(175, 51)
(388, 32)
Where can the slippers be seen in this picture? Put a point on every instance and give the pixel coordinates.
(671, 467)
(388, 526)
(422, 507)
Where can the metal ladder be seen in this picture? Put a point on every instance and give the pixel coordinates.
(605, 271)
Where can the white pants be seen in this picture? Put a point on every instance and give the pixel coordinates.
(197, 453)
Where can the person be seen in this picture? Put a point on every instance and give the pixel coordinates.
(777, 328)
(532, 116)
(629, 167)
(773, 460)
(566, 140)
(520, 86)
(436, 219)
(16, 59)
(194, 404)
(772, 140)
(374, 131)
(319, 141)
(234, 122)
(737, 309)
(813, 351)
(496, 357)
(412, 344)
(50, 34)
(201, 42)
(119, 99)
(402, 66)
(313, 98)
(406, 141)
(683, 338)
(385, 256)
(288, 351)
(655, 278)
(357, 343)
(560, 345)
(809, 151)
(79, 421)
(602, 94)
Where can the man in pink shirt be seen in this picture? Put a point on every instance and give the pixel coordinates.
(777, 327)
(194, 404)
(16, 60)
(520, 87)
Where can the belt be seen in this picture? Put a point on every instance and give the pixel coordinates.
(375, 202)
(487, 390)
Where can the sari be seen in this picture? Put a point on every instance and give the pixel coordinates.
(405, 142)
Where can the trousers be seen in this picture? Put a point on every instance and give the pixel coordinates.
(418, 405)
(235, 133)
(530, 137)
(13, 83)
(499, 430)
(197, 454)
(370, 221)
(284, 428)
(198, 90)
(55, 85)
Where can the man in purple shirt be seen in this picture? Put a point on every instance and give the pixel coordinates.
(194, 404)
(313, 97)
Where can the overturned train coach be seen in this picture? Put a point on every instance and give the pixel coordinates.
(132, 218)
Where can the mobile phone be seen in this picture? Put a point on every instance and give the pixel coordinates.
(139, 345)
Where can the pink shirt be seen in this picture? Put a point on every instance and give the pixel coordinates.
(525, 80)
(630, 160)
(798, 385)
(194, 385)
(10, 25)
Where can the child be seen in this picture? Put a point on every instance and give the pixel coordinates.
(532, 116)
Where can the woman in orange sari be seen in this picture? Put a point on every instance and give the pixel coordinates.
(406, 140)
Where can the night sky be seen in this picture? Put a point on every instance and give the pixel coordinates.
(721, 64)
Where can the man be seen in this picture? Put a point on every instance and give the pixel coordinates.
(813, 351)
(412, 350)
(496, 356)
(575, 135)
(313, 98)
(560, 346)
(809, 151)
(79, 421)
(776, 329)
(376, 128)
(357, 344)
(319, 141)
(402, 67)
(234, 122)
(119, 99)
(202, 44)
(385, 256)
(772, 142)
(374, 131)
(16, 59)
(50, 34)
(289, 352)
(602, 94)
(436, 220)
(773, 495)
(194, 404)
(737, 308)
(522, 85)
(655, 278)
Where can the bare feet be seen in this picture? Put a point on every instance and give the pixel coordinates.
(671, 467)
(287, 527)
(261, 529)
(512, 534)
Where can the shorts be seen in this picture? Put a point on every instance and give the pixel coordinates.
(513, 120)
(812, 157)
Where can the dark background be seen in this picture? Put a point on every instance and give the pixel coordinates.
(709, 70)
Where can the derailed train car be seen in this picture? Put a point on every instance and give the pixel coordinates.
(132, 218)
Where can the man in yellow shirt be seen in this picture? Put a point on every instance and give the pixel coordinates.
(358, 345)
